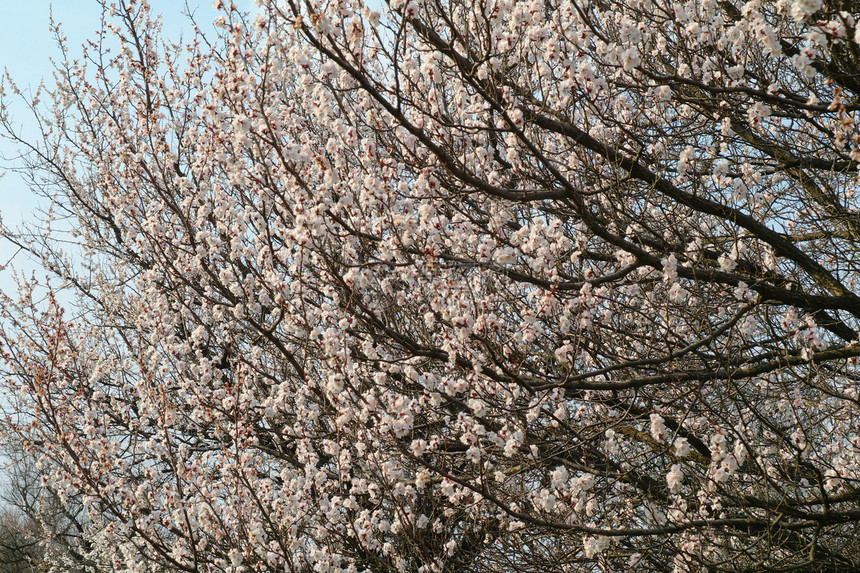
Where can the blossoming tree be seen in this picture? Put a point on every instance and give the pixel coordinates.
(549, 285)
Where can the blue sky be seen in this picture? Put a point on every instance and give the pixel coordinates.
(26, 50)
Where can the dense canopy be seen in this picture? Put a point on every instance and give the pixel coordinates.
(446, 285)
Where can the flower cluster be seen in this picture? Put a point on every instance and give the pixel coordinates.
(538, 285)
